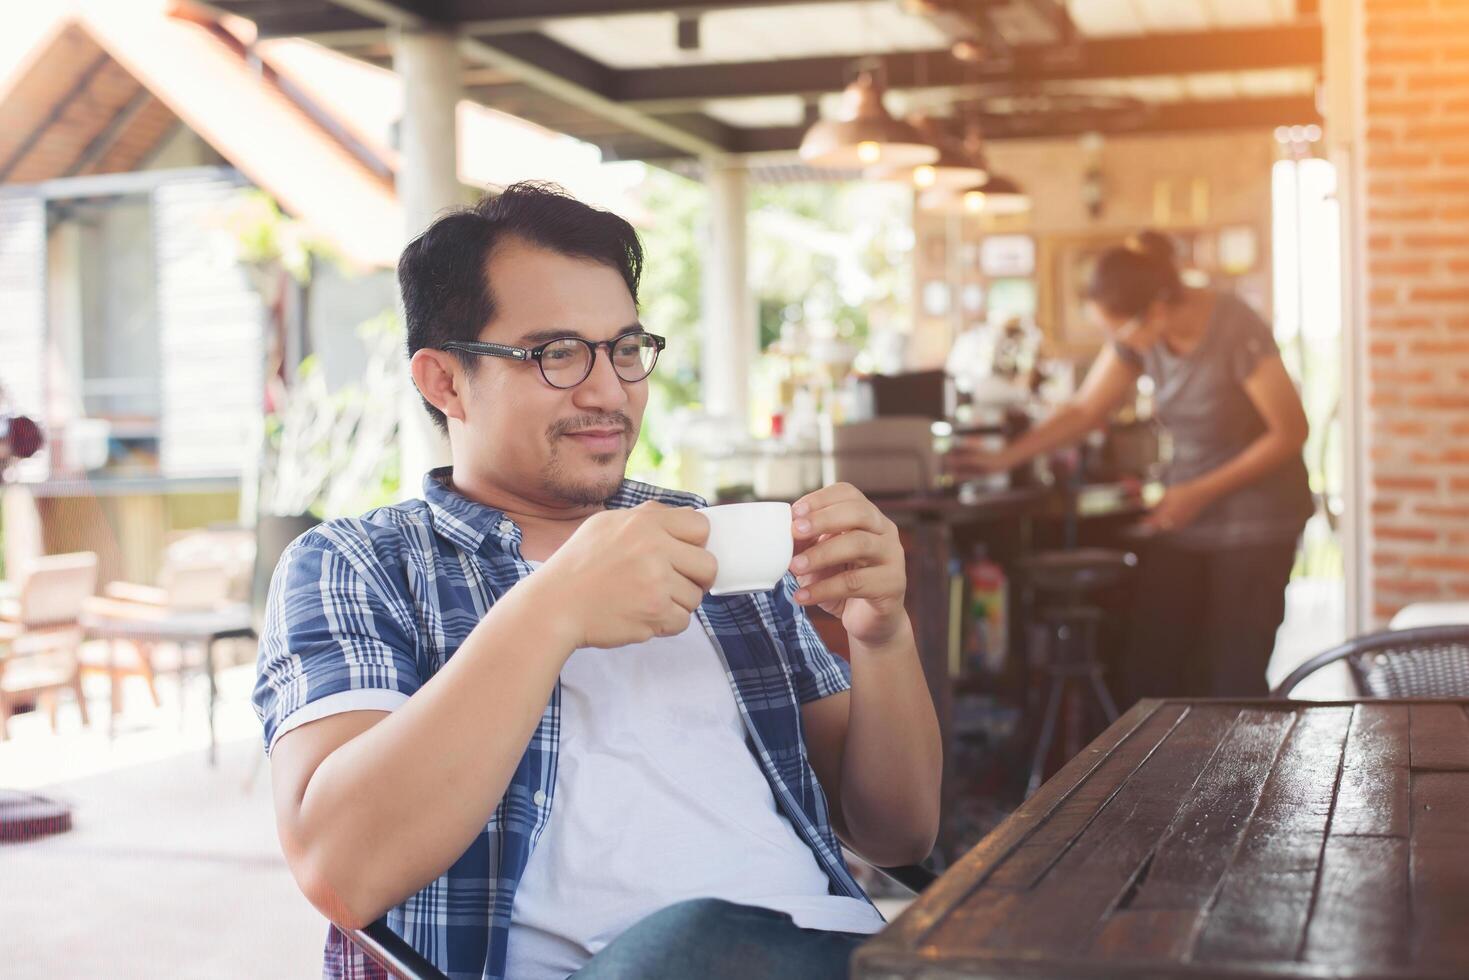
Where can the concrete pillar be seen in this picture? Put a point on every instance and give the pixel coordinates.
(428, 182)
(1343, 104)
(731, 337)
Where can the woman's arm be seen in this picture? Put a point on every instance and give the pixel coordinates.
(1273, 394)
(1107, 383)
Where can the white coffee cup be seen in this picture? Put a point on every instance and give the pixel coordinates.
(752, 543)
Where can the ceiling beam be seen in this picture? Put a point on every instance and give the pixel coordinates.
(59, 109)
(1186, 53)
(572, 77)
(351, 20)
(505, 16)
(1193, 115)
(108, 136)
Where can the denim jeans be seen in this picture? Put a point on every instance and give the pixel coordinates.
(711, 939)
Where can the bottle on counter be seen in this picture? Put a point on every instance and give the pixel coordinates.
(988, 594)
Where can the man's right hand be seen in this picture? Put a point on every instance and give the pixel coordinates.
(627, 576)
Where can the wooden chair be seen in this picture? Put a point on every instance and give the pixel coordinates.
(202, 570)
(40, 635)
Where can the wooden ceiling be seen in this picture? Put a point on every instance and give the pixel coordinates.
(85, 115)
(668, 79)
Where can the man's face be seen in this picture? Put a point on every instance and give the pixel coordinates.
(552, 445)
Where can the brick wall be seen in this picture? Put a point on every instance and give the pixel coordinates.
(1416, 197)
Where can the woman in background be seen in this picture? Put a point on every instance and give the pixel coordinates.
(1211, 586)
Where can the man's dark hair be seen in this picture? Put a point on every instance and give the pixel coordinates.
(444, 273)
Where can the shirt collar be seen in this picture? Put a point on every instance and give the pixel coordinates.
(468, 523)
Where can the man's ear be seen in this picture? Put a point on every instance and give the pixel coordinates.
(439, 377)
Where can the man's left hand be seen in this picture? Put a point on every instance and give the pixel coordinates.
(850, 563)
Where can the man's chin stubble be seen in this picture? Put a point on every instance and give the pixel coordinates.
(584, 494)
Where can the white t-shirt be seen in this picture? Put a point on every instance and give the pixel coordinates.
(657, 800)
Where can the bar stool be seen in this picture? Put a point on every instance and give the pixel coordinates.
(1063, 588)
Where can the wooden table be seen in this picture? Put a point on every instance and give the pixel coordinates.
(1219, 839)
(201, 628)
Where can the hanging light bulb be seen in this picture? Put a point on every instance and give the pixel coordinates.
(958, 165)
(864, 134)
(997, 195)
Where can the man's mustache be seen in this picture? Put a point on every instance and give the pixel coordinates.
(617, 420)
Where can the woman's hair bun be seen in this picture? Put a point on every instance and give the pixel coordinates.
(1152, 244)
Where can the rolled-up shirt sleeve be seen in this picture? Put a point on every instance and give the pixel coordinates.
(817, 672)
(334, 638)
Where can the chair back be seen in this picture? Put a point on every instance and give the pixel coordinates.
(56, 587)
(273, 535)
(1428, 662)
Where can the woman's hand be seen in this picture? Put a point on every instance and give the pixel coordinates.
(968, 458)
(1180, 506)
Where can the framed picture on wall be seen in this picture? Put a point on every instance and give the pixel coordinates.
(1070, 264)
(1007, 256)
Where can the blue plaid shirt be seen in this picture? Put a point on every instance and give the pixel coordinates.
(363, 611)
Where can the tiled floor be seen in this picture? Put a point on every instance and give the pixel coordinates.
(172, 869)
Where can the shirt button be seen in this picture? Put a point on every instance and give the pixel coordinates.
(506, 527)
(540, 798)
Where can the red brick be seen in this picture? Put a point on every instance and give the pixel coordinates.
(1406, 586)
(1399, 376)
(1423, 484)
(1399, 323)
(1440, 400)
(1439, 457)
(1439, 294)
(1438, 348)
(1406, 213)
(1442, 511)
(1435, 241)
(1440, 563)
(1438, 82)
(1415, 268)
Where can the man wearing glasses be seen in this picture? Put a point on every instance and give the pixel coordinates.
(508, 716)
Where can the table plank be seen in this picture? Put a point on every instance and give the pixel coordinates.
(1265, 897)
(1185, 869)
(1039, 851)
(1063, 910)
(1373, 797)
(1440, 737)
(957, 884)
(1439, 870)
(1360, 919)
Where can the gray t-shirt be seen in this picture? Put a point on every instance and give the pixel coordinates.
(1200, 399)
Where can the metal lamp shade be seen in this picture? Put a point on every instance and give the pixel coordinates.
(997, 195)
(864, 134)
(957, 166)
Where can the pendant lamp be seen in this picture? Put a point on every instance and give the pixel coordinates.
(864, 134)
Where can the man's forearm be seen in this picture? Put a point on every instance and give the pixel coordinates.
(892, 766)
(390, 810)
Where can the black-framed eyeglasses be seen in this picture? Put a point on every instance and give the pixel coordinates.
(568, 361)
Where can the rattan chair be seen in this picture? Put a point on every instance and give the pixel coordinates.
(1428, 662)
(401, 961)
